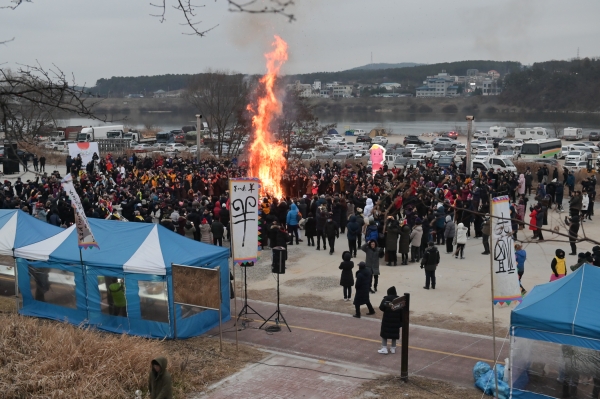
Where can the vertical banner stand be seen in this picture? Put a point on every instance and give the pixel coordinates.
(405, 334)
(492, 286)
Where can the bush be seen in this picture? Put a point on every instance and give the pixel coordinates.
(425, 108)
(491, 109)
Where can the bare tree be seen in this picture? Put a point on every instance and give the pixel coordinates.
(558, 128)
(221, 97)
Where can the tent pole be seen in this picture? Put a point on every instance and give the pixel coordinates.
(220, 302)
(232, 254)
(16, 283)
(492, 287)
(84, 274)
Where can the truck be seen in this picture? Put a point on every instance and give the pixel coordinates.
(165, 137)
(572, 133)
(130, 135)
(67, 133)
(498, 132)
(98, 132)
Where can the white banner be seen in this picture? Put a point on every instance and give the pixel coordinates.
(244, 205)
(86, 150)
(85, 237)
(504, 264)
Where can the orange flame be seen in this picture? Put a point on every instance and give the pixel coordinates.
(267, 161)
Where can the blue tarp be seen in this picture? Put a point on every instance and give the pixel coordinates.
(565, 308)
(332, 131)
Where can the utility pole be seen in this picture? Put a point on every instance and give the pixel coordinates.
(470, 120)
(198, 135)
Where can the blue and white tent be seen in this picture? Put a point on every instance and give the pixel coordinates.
(556, 328)
(56, 283)
(19, 229)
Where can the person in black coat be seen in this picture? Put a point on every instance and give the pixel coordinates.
(332, 232)
(310, 230)
(363, 282)
(430, 260)
(347, 279)
(390, 323)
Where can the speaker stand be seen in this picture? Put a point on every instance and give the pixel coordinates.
(245, 309)
(277, 312)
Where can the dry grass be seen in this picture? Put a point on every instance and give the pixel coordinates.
(41, 359)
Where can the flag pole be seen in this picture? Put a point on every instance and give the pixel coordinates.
(492, 289)
(231, 253)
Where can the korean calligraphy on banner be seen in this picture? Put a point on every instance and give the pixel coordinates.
(244, 204)
(504, 265)
(85, 237)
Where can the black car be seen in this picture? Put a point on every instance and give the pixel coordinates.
(444, 147)
(414, 140)
(594, 136)
(497, 141)
(363, 139)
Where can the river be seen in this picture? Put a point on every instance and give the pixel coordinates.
(403, 124)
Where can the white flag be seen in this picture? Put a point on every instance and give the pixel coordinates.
(244, 204)
(504, 264)
(85, 237)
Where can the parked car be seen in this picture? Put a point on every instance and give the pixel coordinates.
(411, 147)
(451, 134)
(576, 155)
(443, 154)
(483, 155)
(479, 133)
(509, 154)
(381, 140)
(445, 162)
(412, 139)
(422, 153)
(591, 146)
(595, 136)
(143, 148)
(444, 147)
(363, 139)
(444, 140)
(178, 147)
(510, 143)
(574, 166)
(401, 162)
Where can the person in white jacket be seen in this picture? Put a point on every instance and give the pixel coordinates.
(368, 214)
(585, 204)
(460, 240)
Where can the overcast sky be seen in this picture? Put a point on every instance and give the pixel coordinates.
(102, 38)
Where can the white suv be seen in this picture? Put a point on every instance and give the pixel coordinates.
(175, 147)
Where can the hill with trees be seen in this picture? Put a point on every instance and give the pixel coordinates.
(409, 77)
(555, 86)
(383, 65)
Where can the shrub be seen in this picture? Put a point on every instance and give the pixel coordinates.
(450, 109)
(425, 108)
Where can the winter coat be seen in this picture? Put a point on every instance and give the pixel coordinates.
(331, 229)
(576, 202)
(460, 237)
(521, 187)
(392, 319)
(372, 259)
(391, 239)
(449, 230)
(310, 227)
(585, 202)
(353, 229)
(520, 257)
(485, 227)
(533, 220)
(205, 234)
(416, 235)
(404, 246)
(362, 285)
(292, 218)
(368, 211)
(540, 218)
(302, 208)
(347, 279)
(160, 385)
(321, 218)
(217, 229)
(431, 258)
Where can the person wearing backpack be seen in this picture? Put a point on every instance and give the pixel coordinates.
(430, 260)
(371, 233)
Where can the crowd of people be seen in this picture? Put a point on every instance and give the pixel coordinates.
(394, 211)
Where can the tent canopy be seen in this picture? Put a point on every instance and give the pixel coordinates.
(132, 247)
(566, 307)
(19, 229)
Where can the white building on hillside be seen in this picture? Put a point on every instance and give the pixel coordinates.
(316, 85)
(304, 90)
(440, 85)
(390, 86)
(341, 91)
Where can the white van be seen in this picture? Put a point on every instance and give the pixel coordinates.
(502, 164)
(572, 133)
(498, 131)
(359, 132)
(531, 133)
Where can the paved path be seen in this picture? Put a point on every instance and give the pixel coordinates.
(340, 338)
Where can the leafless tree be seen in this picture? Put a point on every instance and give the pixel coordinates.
(190, 11)
(221, 97)
(558, 128)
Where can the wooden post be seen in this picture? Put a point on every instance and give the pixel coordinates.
(405, 333)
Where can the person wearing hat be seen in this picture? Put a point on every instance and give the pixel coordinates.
(361, 287)
(391, 322)
(558, 266)
(430, 261)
